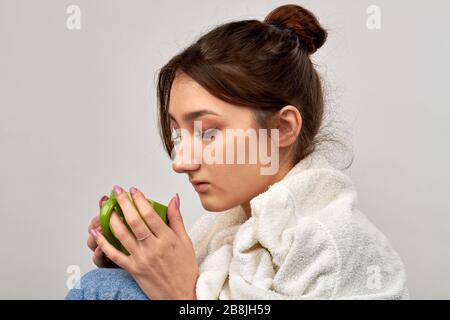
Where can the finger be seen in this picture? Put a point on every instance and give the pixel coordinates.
(112, 253)
(151, 218)
(131, 214)
(122, 233)
(101, 260)
(102, 200)
(98, 252)
(98, 258)
(175, 219)
(95, 222)
(91, 243)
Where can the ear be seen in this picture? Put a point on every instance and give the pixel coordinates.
(289, 125)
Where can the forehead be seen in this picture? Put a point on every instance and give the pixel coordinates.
(187, 95)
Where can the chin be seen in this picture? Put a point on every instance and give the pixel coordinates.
(213, 205)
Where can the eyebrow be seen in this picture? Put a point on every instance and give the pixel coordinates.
(195, 114)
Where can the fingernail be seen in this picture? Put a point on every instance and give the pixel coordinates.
(94, 233)
(177, 201)
(118, 190)
(133, 190)
(102, 199)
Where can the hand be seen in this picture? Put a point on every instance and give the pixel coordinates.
(163, 261)
(98, 257)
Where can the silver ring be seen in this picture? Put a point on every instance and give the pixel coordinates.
(145, 237)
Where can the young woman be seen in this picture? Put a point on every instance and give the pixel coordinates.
(287, 230)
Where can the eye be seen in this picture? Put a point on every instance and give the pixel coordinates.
(209, 134)
(175, 136)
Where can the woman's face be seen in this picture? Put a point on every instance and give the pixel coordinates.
(199, 137)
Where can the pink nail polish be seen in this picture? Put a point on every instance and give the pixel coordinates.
(118, 190)
(94, 233)
(133, 190)
(177, 201)
(102, 199)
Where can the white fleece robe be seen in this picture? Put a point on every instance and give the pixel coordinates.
(305, 239)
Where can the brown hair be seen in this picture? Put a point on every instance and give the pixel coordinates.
(263, 65)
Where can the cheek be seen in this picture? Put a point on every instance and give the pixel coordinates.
(237, 183)
(234, 183)
(239, 170)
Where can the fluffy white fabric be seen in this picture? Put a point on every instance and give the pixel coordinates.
(304, 240)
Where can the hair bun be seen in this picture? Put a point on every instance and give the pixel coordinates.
(302, 21)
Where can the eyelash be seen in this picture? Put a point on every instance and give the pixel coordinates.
(208, 133)
(200, 134)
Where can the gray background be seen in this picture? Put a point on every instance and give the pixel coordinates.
(78, 115)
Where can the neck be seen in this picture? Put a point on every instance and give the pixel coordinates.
(283, 170)
(247, 209)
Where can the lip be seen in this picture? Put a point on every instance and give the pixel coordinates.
(201, 186)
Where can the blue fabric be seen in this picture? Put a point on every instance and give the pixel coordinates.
(106, 284)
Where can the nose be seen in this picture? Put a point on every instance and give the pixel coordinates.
(185, 158)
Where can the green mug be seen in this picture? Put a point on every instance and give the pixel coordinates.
(112, 204)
